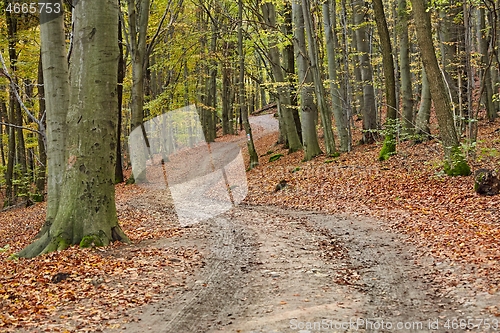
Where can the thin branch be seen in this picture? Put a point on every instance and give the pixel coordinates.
(14, 88)
(21, 127)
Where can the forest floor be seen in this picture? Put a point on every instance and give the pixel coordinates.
(349, 242)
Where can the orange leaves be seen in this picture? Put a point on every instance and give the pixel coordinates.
(81, 290)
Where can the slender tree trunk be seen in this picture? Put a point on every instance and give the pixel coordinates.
(389, 146)
(341, 117)
(486, 87)
(138, 17)
(254, 159)
(308, 107)
(424, 111)
(121, 75)
(369, 111)
(405, 68)
(289, 67)
(42, 151)
(455, 163)
(324, 111)
(293, 139)
(3, 118)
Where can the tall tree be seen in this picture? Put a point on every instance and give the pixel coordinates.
(315, 68)
(455, 163)
(405, 68)
(86, 213)
(138, 17)
(254, 159)
(341, 116)
(308, 108)
(369, 110)
(389, 146)
(283, 86)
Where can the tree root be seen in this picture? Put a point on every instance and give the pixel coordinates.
(46, 243)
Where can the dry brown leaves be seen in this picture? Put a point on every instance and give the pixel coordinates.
(87, 290)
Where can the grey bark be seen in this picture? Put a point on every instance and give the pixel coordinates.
(424, 112)
(254, 159)
(326, 121)
(455, 163)
(405, 68)
(87, 213)
(340, 114)
(308, 108)
(138, 17)
(283, 87)
(368, 110)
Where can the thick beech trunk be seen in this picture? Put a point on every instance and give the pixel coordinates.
(86, 213)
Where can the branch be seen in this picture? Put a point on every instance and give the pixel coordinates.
(5, 72)
(21, 127)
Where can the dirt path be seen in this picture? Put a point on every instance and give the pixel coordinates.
(269, 270)
(273, 270)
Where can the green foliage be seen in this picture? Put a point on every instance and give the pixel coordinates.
(456, 164)
(275, 157)
(388, 148)
(296, 169)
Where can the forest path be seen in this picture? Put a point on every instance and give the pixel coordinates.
(268, 269)
(274, 270)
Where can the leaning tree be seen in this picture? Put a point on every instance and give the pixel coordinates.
(81, 128)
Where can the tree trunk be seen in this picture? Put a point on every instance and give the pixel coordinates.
(326, 121)
(87, 213)
(42, 151)
(3, 118)
(424, 111)
(368, 110)
(283, 88)
(389, 146)
(138, 17)
(254, 159)
(121, 75)
(486, 87)
(341, 117)
(289, 67)
(405, 68)
(455, 163)
(308, 107)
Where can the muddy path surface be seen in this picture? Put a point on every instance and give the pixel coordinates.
(273, 270)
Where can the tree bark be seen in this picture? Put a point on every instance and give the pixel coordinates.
(308, 107)
(368, 110)
(389, 146)
(283, 88)
(424, 111)
(326, 121)
(405, 67)
(41, 175)
(254, 159)
(86, 212)
(341, 117)
(119, 90)
(455, 163)
(138, 17)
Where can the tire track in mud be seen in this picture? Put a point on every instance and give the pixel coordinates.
(220, 287)
(267, 270)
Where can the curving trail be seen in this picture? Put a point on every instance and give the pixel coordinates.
(276, 270)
